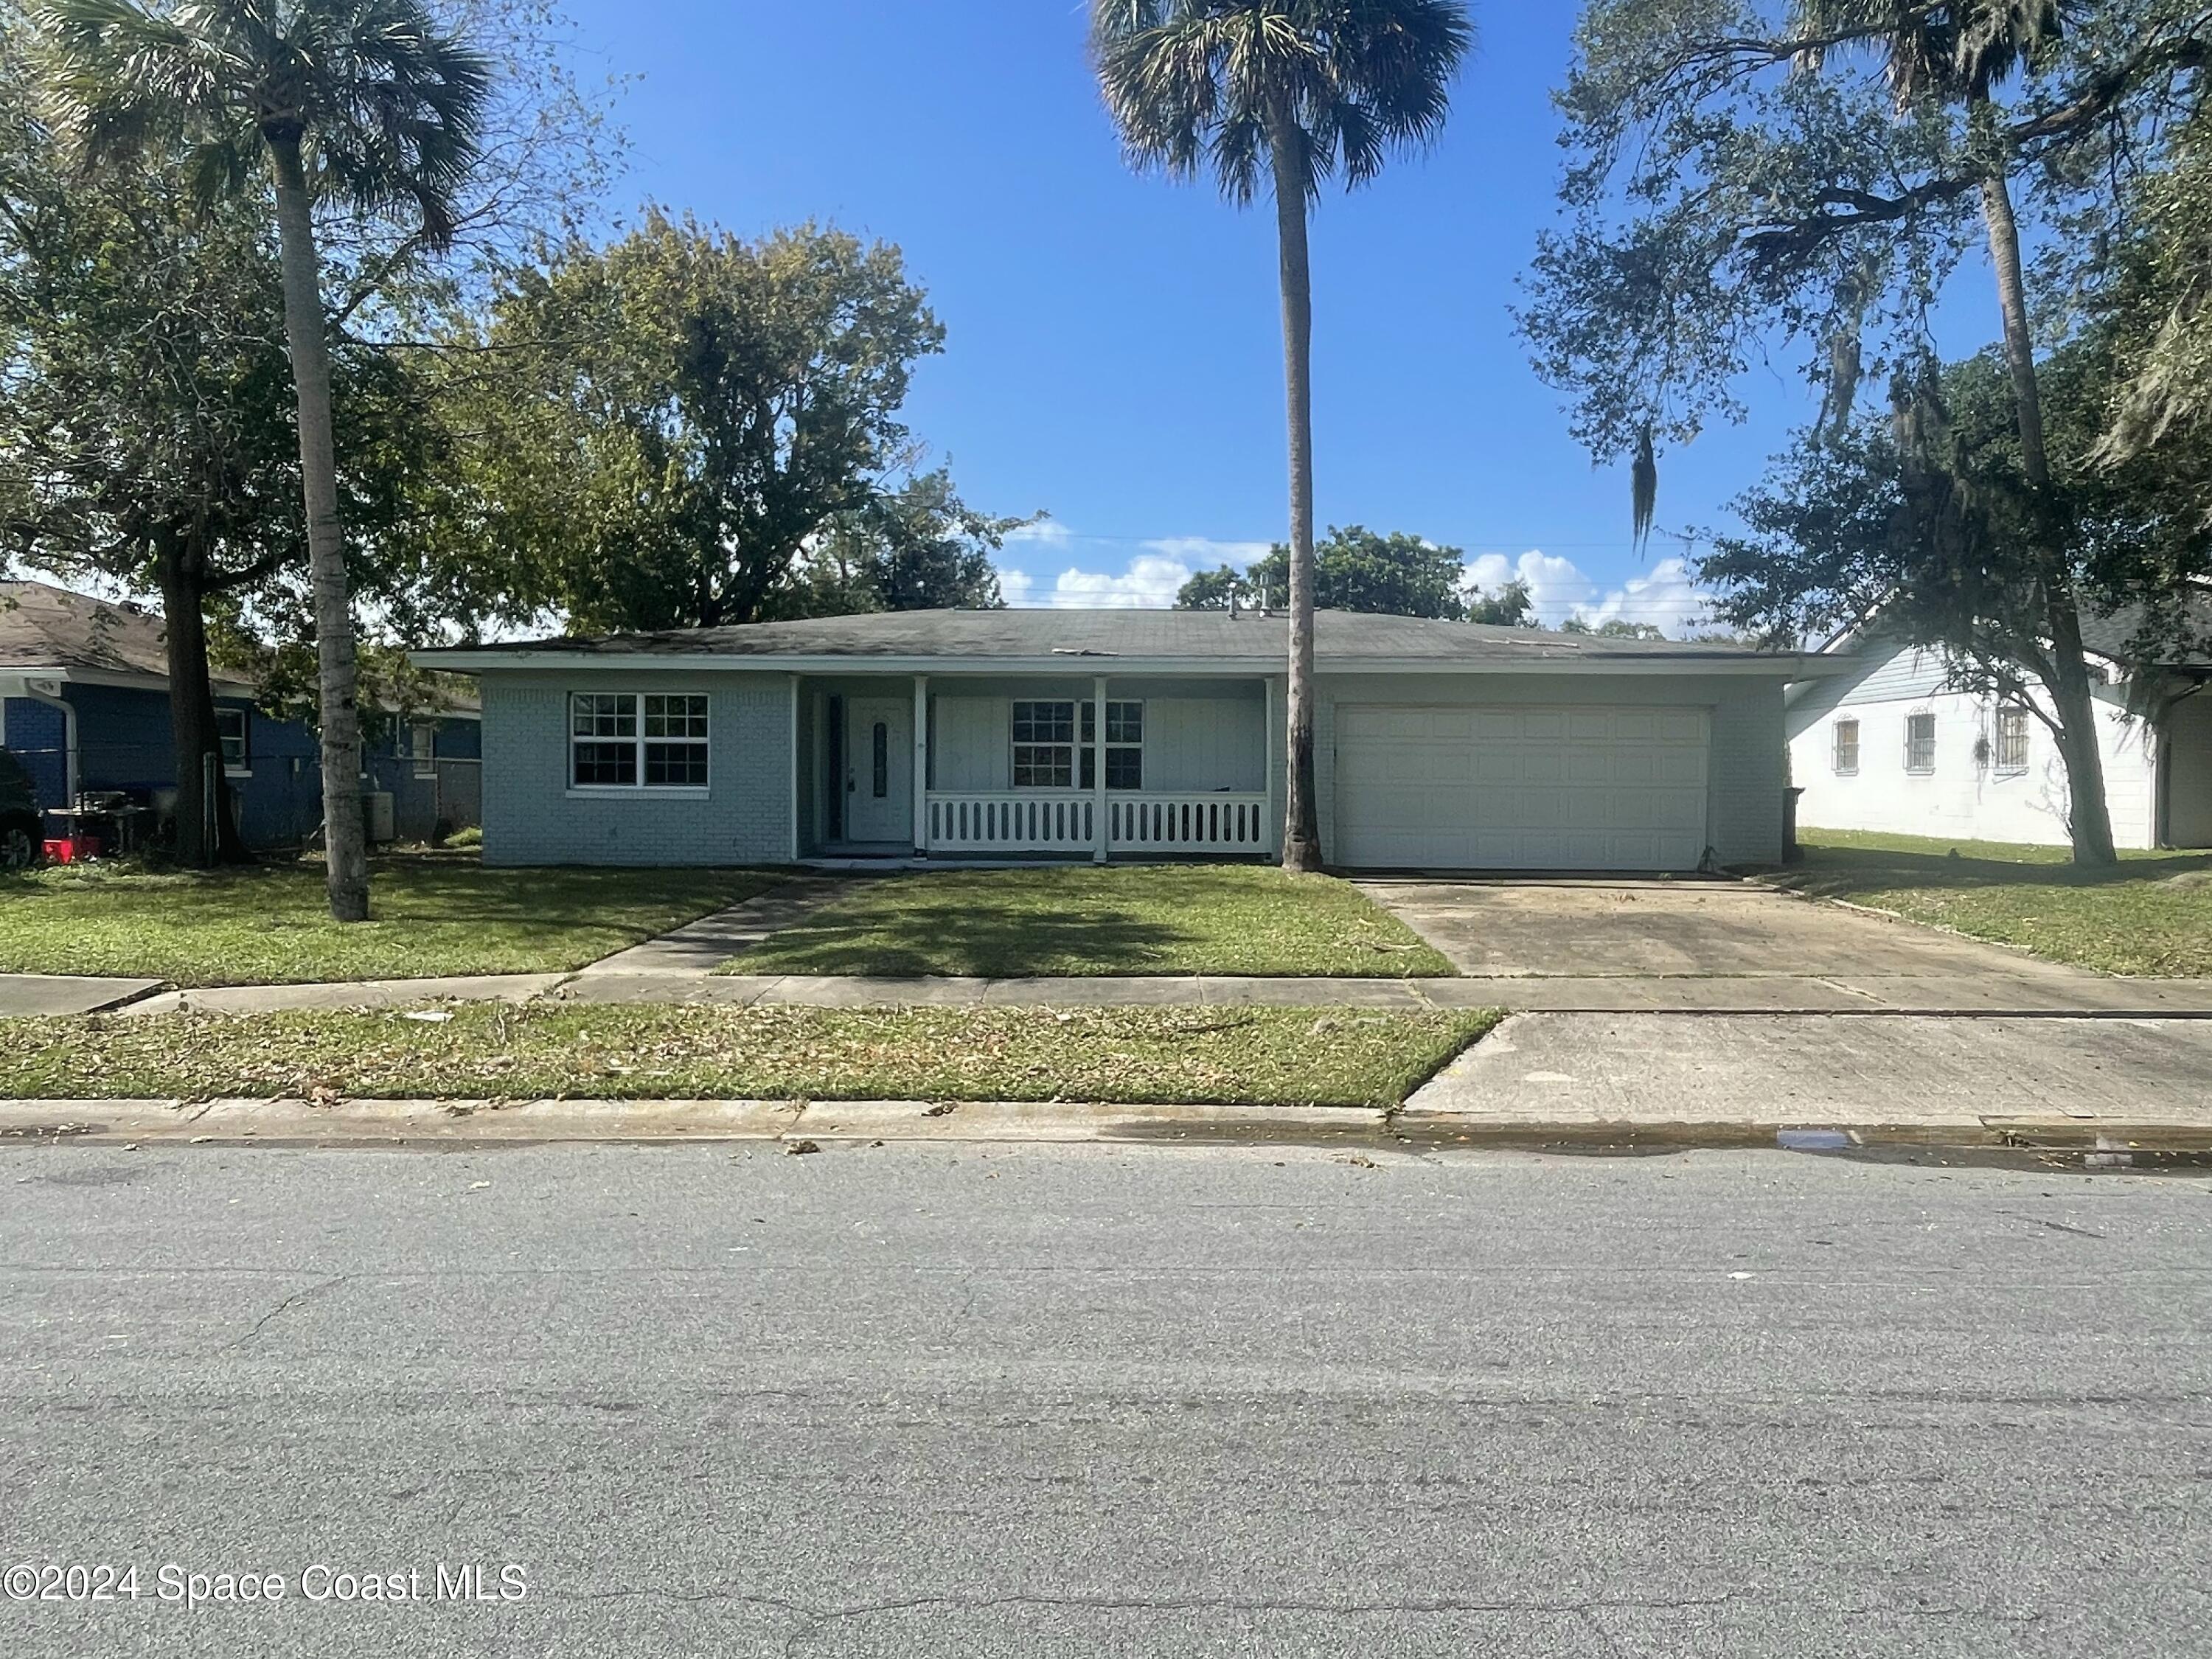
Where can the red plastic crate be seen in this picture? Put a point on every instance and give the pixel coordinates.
(68, 849)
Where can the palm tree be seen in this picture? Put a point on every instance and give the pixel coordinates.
(1958, 54)
(361, 105)
(1294, 91)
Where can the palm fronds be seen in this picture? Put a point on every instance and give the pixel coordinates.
(388, 109)
(1199, 86)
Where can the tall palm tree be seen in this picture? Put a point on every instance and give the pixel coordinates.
(1294, 91)
(364, 106)
(1959, 53)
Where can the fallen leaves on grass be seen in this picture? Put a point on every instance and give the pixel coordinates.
(1111, 1055)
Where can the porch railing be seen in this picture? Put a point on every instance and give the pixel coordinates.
(1057, 821)
(1187, 824)
(1029, 821)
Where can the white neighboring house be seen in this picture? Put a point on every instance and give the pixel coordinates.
(1885, 747)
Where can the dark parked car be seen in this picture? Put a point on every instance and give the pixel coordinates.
(22, 837)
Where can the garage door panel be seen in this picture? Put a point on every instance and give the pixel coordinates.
(1569, 788)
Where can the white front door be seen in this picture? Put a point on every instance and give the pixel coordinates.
(1505, 787)
(880, 770)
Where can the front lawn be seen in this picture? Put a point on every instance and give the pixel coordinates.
(432, 913)
(2152, 915)
(1111, 919)
(1232, 1056)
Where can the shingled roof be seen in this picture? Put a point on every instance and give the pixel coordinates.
(1150, 636)
(47, 627)
(2114, 637)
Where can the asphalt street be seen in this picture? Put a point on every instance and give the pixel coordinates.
(938, 1400)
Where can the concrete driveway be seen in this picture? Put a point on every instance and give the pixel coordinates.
(1851, 1070)
(1720, 945)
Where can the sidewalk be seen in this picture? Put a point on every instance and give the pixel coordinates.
(2028, 996)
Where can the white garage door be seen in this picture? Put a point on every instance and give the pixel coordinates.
(1502, 788)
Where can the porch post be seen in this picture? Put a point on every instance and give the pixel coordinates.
(1100, 839)
(1277, 761)
(921, 764)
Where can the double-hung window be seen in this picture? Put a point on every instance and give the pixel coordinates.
(1847, 748)
(2012, 740)
(1124, 744)
(1920, 743)
(231, 729)
(422, 744)
(637, 740)
(1044, 745)
(1056, 745)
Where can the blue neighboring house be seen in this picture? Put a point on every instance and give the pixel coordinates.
(84, 705)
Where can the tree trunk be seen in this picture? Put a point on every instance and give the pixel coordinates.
(305, 335)
(194, 742)
(2089, 817)
(1302, 849)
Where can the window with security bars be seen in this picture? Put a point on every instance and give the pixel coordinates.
(1920, 743)
(1847, 747)
(2012, 740)
(634, 740)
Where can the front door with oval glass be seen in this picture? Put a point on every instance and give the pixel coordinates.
(879, 769)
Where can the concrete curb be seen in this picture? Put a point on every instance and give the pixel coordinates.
(811, 1125)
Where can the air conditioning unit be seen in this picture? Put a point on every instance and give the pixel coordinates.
(377, 816)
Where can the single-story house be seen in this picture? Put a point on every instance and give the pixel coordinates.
(1888, 746)
(84, 706)
(986, 735)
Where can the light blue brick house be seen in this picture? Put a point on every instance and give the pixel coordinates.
(963, 735)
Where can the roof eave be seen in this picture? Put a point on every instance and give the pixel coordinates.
(1075, 665)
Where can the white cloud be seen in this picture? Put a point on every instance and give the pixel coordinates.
(1040, 532)
(1664, 595)
(1148, 581)
(1196, 551)
(1558, 586)
(1667, 597)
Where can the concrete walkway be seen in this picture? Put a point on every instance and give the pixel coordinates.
(35, 995)
(702, 947)
(355, 994)
(2027, 996)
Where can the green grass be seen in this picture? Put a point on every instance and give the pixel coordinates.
(1235, 1056)
(2152, 915)
(1119, 919)
(432, 914)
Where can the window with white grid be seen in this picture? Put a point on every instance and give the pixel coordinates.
(637, 740)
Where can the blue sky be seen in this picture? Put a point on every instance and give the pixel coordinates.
(1114, 355)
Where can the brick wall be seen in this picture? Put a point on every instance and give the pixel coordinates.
(532, 816)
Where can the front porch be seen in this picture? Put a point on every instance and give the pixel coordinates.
(970, 768)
